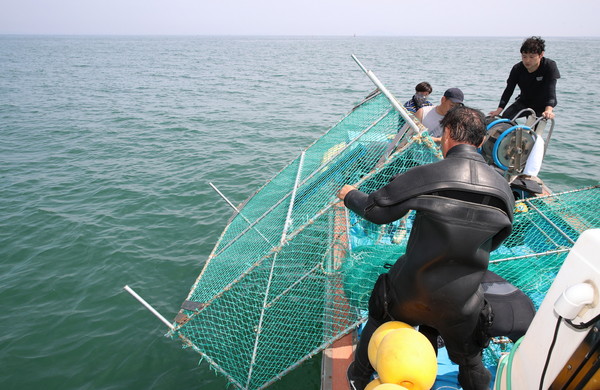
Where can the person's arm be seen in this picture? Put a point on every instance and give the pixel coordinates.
(511, 83)
(496, 112)
(364, 205)
(552, 76)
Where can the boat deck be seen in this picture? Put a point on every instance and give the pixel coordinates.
(335, 362)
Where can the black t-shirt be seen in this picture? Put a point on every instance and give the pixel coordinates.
(538, 89)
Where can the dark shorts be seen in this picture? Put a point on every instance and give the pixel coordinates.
(513, 109)
(505, 311)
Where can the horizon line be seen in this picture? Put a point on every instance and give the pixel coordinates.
(285, 35)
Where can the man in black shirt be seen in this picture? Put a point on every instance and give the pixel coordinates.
(536, 77)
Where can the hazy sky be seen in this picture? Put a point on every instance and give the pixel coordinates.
(302, 17)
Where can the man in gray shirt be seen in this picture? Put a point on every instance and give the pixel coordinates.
(431, 116)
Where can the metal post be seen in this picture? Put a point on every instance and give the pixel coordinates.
(389, 95)
(268, 289)
(238, 211)
(559, 230)
(143, 302)
(288, 217)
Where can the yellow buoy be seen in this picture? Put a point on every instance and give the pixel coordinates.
(405, 357)
(521, 207)
(379, 334)
(373, 384)
(389, 386)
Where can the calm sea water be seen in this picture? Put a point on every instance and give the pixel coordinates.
(107, 146)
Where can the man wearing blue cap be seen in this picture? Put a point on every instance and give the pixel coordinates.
(432, 116)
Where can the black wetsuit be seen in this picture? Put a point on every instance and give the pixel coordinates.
(464, 211)
(538, 89)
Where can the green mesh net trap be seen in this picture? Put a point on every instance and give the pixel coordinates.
(293, 269)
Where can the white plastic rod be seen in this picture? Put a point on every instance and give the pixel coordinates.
(143, 302)
(288, 218)
(238, 211)
(224, 198)
(389, 95)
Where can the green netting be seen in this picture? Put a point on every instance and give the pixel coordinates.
(544, 230)
(293, 269)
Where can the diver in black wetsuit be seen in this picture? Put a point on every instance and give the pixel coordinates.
(463, 212)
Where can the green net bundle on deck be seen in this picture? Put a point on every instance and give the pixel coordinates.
(293, 269)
